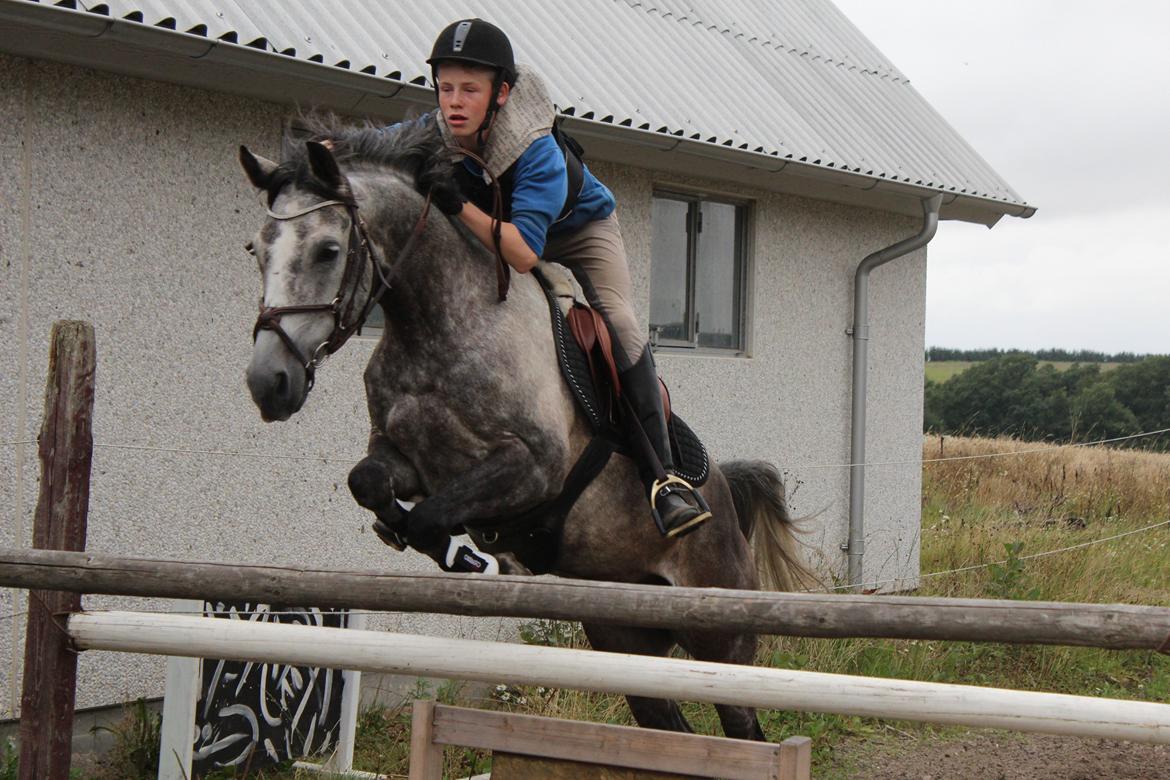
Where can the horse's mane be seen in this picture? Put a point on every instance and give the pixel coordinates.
(413, 148)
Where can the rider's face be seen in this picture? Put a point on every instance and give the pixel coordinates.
(464, 96)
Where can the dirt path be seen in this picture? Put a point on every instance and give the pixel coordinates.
(993, 756)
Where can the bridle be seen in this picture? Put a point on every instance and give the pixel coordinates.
(344, 304)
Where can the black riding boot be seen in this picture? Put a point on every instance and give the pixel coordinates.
(668, 494)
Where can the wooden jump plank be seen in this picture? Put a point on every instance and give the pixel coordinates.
(509, 766)
(615, 746)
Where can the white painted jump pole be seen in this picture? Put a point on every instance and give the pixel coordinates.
(467, 659)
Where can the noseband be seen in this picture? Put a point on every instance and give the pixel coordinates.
(345, 324)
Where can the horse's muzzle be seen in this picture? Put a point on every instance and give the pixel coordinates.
(277, 383)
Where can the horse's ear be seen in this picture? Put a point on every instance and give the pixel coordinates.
(258, 169)
(324, 167)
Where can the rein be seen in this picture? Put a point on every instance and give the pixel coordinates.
(345, 324)
(503, 278)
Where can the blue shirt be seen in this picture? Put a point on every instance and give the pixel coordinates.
(539, 185)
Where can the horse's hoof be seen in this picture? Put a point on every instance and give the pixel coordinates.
(510, 564)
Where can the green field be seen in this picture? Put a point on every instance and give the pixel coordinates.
(942, 370)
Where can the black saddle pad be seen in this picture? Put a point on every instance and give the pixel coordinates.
(690, 454)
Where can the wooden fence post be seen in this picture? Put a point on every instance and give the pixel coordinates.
(426, 757)
(66, 452)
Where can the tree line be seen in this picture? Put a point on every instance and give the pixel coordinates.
(1017, 394)
(1056, 355)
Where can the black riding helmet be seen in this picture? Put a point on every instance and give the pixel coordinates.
(475, 41)
(478, 42)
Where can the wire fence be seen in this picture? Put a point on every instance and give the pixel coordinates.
(331, 458)
(978, 566)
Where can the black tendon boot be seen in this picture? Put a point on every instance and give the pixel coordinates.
(674, 514)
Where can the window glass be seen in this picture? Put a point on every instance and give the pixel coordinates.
(716, 277)
(668, 270)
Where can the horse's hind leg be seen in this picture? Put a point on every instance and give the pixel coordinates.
(649, 713)
(737, 721)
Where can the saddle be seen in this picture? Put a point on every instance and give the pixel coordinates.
(583, 344)
(589, 369)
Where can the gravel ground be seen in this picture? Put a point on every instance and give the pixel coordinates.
(993, 756)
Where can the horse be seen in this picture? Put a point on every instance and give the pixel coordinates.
(470, 416)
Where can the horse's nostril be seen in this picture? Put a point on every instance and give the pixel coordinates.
(281, 383)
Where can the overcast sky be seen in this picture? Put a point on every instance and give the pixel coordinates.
(1069, 101)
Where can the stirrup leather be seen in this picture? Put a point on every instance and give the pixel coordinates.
(662, 486)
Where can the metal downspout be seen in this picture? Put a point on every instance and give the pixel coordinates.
(855, 546)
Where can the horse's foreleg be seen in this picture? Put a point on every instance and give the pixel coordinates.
(649, 713)
(377, 480)
(509, 479)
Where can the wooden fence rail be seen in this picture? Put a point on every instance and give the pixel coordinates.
(1114, 626)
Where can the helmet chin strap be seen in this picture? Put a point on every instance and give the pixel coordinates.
(485, 127)
(493, 109)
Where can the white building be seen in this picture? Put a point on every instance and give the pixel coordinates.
(804, 147)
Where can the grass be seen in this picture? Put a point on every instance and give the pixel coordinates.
(975, 511)
(9, 759)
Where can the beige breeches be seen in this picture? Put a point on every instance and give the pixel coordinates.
(597, 249)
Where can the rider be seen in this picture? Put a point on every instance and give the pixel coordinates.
(502, 113)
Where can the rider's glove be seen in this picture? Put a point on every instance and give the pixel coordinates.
(448, 200)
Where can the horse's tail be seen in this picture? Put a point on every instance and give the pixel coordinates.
(757, 491)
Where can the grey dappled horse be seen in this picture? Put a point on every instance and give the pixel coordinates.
(470, 416)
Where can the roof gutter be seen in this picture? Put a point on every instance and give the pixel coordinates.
(855, 546)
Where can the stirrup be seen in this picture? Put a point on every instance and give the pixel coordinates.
(674, 484)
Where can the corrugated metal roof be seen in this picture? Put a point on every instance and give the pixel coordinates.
(786, 79)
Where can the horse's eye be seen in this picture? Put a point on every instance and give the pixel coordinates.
(328, 253)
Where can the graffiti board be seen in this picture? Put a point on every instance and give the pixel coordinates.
(260, 714)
